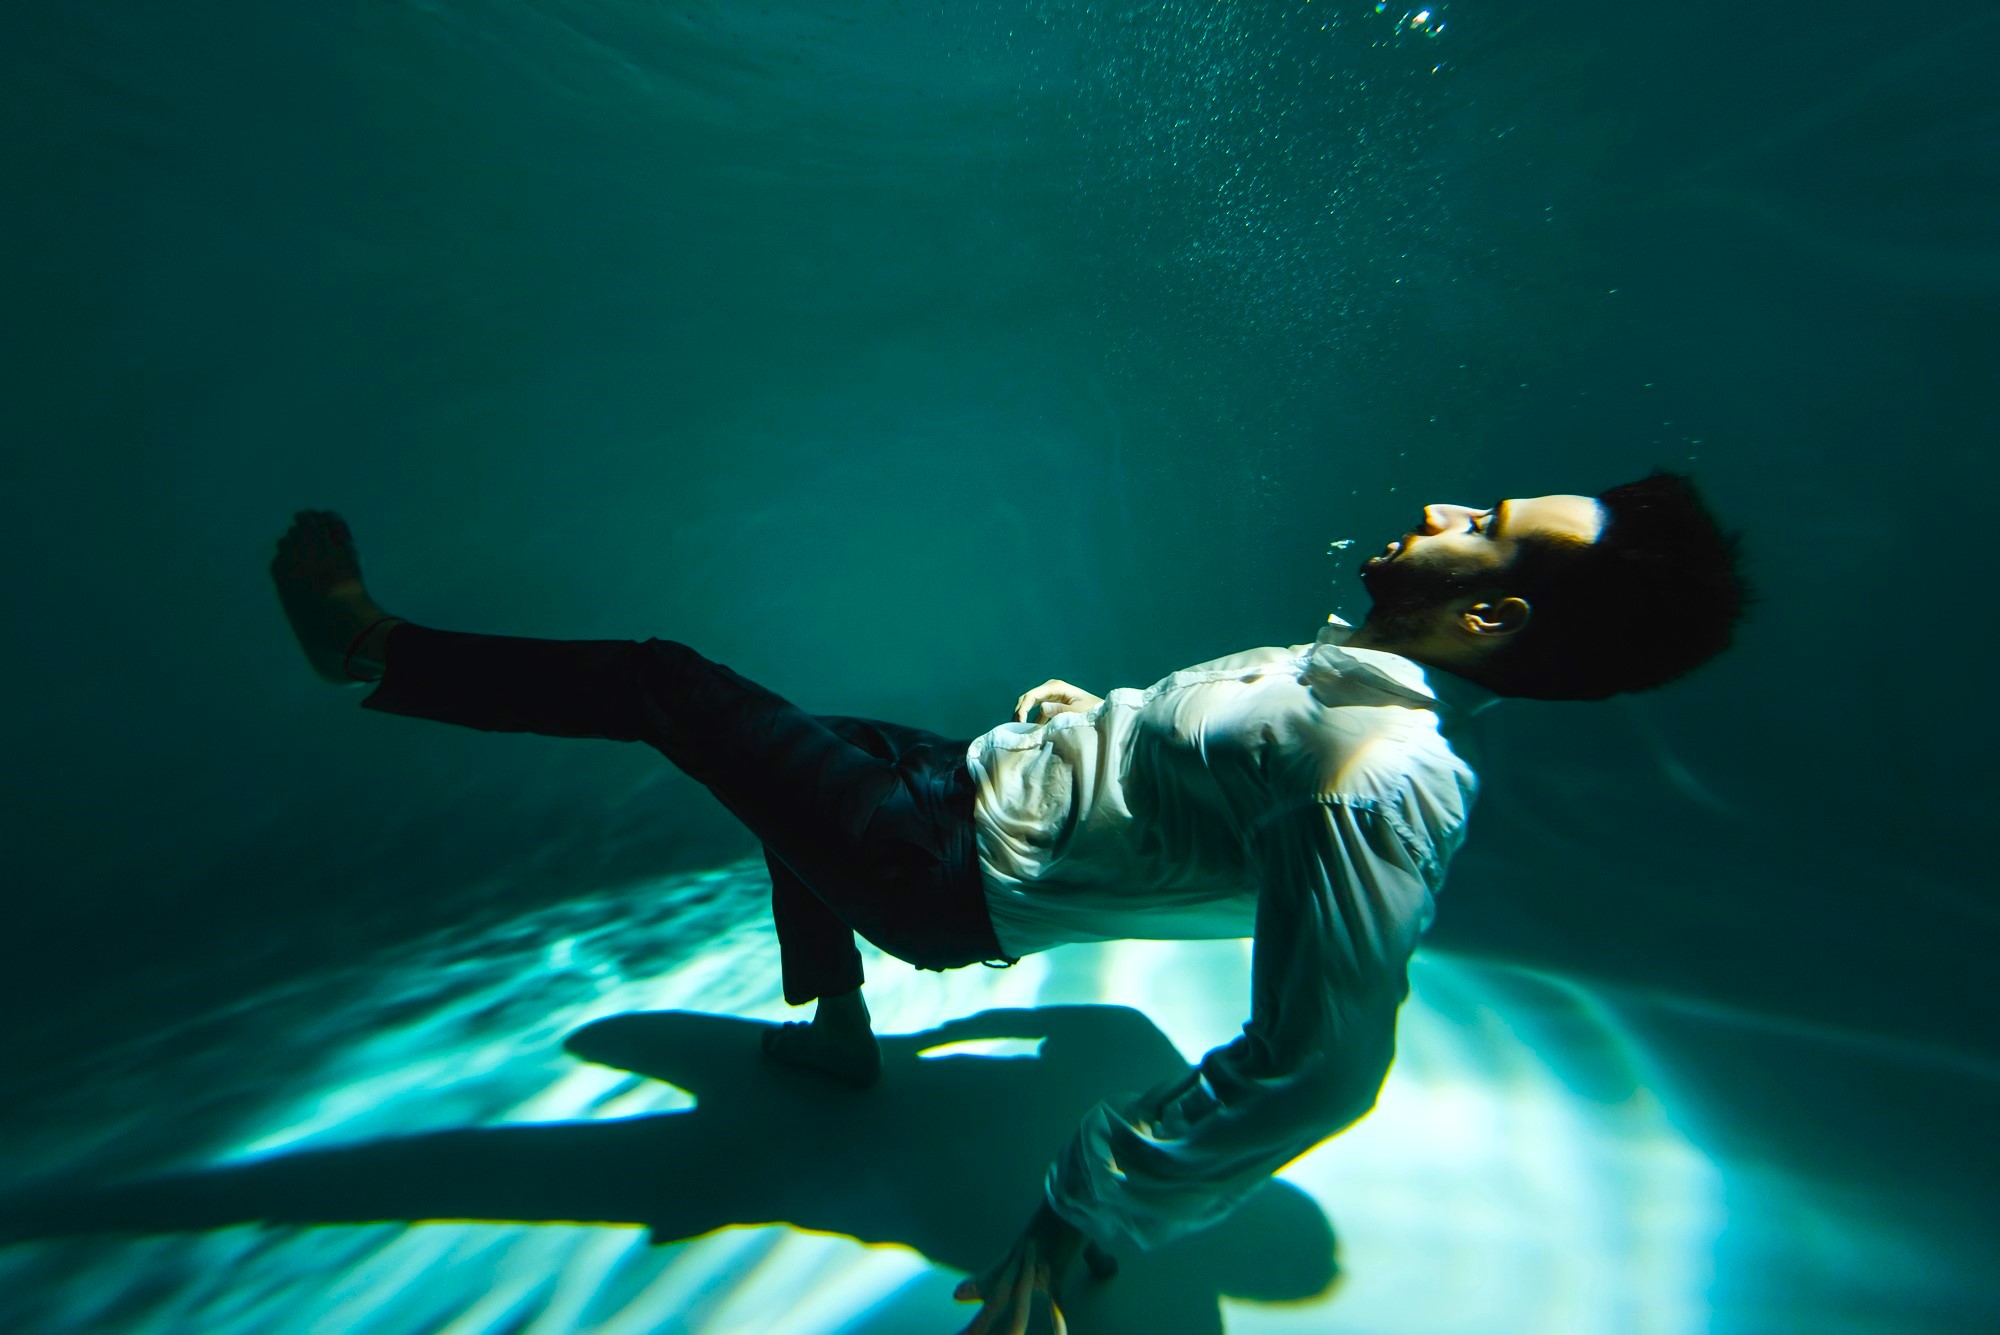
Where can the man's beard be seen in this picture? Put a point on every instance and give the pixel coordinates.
(1405, 594)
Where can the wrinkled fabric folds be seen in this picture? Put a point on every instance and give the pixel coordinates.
(1310, 797)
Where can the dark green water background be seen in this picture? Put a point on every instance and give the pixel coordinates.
(905, 355)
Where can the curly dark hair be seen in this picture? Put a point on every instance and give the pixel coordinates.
(1656, 596)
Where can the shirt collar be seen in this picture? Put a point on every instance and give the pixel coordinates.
(1418, 682)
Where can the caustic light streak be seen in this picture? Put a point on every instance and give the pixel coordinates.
(584, 1079)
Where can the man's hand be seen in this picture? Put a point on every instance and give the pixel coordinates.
(1035, 1266)
(1055, 697)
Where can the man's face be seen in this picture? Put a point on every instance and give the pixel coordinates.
(1458, 549)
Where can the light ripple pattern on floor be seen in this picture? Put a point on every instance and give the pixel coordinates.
(1531, 1166)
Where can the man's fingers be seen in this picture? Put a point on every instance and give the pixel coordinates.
(1023, 1301)
(993, 1290)
(983, 1320)
(973, 1288)
(1051, 706)
(1051, 691)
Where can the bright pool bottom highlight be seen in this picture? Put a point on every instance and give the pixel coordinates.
(1546, 1156)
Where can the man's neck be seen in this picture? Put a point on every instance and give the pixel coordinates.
(1368, 635)
(1384, 639)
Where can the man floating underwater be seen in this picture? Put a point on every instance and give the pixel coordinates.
(1310, 797)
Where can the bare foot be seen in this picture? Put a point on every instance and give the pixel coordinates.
(851, 1057)
(318, 574)
(839, 1043)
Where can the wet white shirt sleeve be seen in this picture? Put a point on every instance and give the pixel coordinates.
(1341, 902)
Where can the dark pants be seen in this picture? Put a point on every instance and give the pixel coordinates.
(866, 826)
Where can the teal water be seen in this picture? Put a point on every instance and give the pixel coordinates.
(902, 356)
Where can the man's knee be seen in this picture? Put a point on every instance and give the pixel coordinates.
(859, 733)
(670, 654)
(671, 673)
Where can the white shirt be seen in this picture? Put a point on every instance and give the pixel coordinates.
(1310, 797)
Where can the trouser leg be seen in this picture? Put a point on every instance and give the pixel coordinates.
(881, 840)
(816, 952)
(815, 944)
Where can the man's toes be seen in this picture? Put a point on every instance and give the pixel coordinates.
(320, 542)
(342, 538)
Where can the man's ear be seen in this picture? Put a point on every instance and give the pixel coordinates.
(1505, 617)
